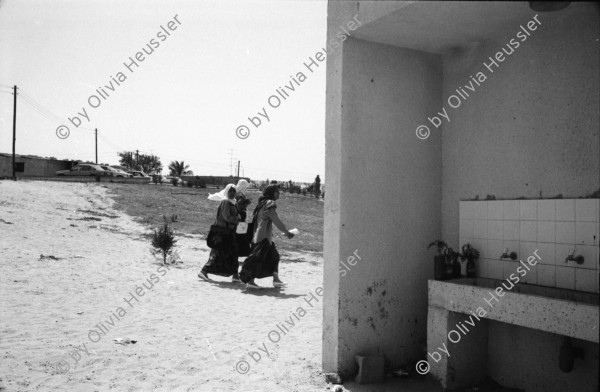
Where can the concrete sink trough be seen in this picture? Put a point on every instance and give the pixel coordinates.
(530, 289)
(459, 310)
(563, 312)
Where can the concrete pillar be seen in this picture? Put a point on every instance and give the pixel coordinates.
(384, 198)
(461, 348)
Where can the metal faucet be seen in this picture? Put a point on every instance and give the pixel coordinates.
(506, 255)
(571, 257)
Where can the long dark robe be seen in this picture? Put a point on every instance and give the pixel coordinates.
(264, 257)
(243, 240)
(224, 262)
(262, 262)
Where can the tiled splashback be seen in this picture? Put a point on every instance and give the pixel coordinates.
(522, 226)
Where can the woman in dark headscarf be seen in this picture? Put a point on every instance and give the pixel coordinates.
(264, 258)
(224, 262)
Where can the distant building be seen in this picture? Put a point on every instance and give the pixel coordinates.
(32, 166)
(215, 180)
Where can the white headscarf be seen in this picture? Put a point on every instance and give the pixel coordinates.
(241, 186)
(220, 196)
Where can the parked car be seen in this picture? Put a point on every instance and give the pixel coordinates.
(135, 173)
(159, 178)
(84, 170)
(170, 179)
(116, 172)
(140, 174)
(123, 172)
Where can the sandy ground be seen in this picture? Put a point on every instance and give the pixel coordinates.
(69, 265)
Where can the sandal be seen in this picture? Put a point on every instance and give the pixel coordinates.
(203, 276)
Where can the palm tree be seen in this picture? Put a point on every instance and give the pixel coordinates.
(179, 168)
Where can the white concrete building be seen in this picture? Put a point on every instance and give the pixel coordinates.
(511, 99)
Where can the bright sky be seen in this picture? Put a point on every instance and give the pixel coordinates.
(185, 100)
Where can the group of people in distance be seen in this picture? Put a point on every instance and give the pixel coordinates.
(253, 239)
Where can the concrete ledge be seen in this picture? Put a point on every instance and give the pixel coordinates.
(563, 317)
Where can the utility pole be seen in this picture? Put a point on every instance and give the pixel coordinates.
(137, 157)
(96, 146)
(238, 170)
(14, 164)
(230, 161)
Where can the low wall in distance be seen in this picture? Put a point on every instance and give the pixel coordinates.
(88, 179)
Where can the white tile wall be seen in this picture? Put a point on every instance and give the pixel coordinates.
(584, 281)
(512, 209)
(494, 211)
(466, 229)
(528, 210)
(547, 275)
(480, 210)
(511, 230)
(565, 210)
(565, 278)
(546, 210)
(585, 233)
(586, 210)
(565, 232)
(511, 246)
(495, 228)
(480, 228)
(496, 270)
(548, 250)
(529, 231)
(546, 231)
(552, 227)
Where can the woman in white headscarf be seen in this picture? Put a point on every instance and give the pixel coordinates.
(241, 187)
(220, 196)
(224, 262)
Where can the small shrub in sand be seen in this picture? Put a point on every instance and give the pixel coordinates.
(163, 241)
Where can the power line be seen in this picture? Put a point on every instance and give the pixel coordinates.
(25, 95)
(38, 106)
(37, 110)
(46, 116)
(49, 114)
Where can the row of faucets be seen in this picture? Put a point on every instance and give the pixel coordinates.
(579, 259)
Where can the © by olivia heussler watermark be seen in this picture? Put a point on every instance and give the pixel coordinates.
(114, 82)
(455, 335)
(102, 328)
(283, 328)
(474, 82)
(281, 94)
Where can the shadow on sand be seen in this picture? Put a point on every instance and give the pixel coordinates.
(265, 291)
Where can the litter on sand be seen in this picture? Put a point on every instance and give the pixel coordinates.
(125, 341)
